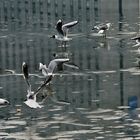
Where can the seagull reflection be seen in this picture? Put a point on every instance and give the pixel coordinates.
(137, 39)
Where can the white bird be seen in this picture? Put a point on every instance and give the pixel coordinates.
(137, 39)
(3, 102)
(62, 30)
(31, 96)
(47, 71)
(102, 28)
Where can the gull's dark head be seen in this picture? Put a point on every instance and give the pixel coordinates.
(6, 103)
(53, 36)
(31, 97)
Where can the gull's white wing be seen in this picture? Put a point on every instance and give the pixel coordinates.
(52, 65)
(65, 27)
(44, 69)
(43, 85)
(71, 65)
(32, 104)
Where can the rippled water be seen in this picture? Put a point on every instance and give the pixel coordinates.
(99, 101)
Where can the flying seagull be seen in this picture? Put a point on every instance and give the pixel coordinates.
(62, 30)
(102, 28)
(47, 71)
(31, 95)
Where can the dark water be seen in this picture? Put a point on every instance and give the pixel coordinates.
(99, 101)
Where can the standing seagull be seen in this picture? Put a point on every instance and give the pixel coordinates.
(137, 39)
(62, 30)
(31, 96)
(47, 71)
(102, 28)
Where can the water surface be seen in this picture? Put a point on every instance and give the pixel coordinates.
(100, 100)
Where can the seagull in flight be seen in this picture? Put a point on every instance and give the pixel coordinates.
(31, 95)
(102, 28)
(47, 71)
(62, 30)
(137, 39)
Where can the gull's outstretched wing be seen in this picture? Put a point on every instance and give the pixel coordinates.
(52, 65)
(44, 84)
(65, 27)
(26, 73)
(59, 27)
(71, 65)
(25, 70)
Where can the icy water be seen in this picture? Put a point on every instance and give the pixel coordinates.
(100, 101)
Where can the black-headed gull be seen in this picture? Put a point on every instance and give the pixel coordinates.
(31, 95)
(102, 28)
(62, 30)
(47, 71)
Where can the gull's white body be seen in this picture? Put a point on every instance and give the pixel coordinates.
(32, 103)
(102, 28)
(62, 38)
(3, 102)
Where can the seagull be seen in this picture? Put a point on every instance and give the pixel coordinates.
(102, 28)
(3, 102)
(62, 30)
(31, 95)
(137, 39)
(47, 71)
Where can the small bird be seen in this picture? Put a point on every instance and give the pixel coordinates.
(47, 71)
(137, 39)
(3, 102)
(62, 30)
(31, 95)
(102, 28)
